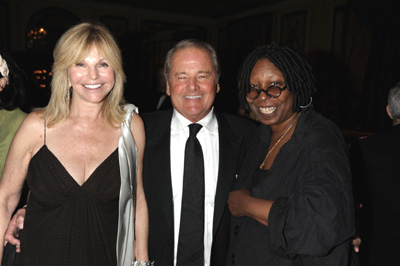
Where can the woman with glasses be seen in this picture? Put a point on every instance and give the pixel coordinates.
(293, 204)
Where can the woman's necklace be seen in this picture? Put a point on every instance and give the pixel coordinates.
(279, 140)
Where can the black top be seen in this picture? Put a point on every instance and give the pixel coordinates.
(377, 183)
(312, 217)
(68, 224)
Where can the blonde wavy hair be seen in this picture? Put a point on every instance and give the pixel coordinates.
(73, 46)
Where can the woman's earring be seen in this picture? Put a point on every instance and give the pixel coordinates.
(69, 91)
(306, 106)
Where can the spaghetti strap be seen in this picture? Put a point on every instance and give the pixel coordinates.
(45, 123)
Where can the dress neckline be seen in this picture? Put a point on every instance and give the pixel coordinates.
(46, 149)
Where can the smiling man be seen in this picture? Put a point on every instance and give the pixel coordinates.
(192, 73)
(192, 83)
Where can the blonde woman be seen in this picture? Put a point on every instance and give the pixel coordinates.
(82, 158)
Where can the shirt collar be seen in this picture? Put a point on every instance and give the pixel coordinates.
(179, 121)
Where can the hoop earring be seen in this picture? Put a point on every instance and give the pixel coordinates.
(69, 91)
(306, 106)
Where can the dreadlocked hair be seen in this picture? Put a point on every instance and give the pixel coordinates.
(299, 77)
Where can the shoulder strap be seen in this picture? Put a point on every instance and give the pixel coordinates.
(45, 125)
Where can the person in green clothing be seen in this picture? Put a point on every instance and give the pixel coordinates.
(12, 95)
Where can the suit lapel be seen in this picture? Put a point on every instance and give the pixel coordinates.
(230, 146)
(158, 143)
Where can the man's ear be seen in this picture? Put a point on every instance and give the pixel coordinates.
(388, 111)
(168, 90)
(3, 83)
(217, 88)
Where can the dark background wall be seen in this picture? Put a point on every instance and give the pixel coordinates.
(352, 44)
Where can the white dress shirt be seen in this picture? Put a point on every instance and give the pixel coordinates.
(209, 141)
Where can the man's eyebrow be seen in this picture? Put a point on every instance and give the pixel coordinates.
(179, 73)
(199, 72)
(204, 72)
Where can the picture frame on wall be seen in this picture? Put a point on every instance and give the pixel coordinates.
(293, 29)
(4, 29)
(338, 30)
(119, 26)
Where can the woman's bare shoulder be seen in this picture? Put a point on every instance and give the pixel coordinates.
(32, 130)
(33, 121)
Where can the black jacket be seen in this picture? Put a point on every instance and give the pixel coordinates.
(376, 171)
(235, 135)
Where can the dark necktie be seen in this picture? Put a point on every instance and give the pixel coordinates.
(191, 232)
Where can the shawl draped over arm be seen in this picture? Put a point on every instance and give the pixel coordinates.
(127, 152)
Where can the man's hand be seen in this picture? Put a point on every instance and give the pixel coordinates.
(16, 224)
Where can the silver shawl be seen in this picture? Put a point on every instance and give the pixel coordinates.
(127, 152)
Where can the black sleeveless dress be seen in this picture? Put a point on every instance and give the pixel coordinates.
(68, 224)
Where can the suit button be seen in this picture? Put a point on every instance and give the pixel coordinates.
(233, 259)
(236, 229)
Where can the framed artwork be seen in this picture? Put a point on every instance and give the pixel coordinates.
(293, 29)
(236, 40)
(119, 26)
(338, 31)
(4, 25)
(42, 32)
(146, 56)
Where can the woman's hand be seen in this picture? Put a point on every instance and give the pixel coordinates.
(356, 242)
(238, 200)
(242, 203)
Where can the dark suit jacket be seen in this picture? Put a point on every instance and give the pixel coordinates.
(377, 184)
(234, 136)
(166, 103)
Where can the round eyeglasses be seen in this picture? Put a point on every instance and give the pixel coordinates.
(273, 91)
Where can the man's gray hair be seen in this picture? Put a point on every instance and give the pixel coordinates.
(394, 101)
(192, 43)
